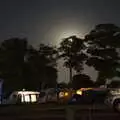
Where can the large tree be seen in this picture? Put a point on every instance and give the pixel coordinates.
(41, 66)
(72, 51)
(12, 52)
(103, 44)
(23, 66)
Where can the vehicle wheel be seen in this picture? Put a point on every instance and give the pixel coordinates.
(116, 105)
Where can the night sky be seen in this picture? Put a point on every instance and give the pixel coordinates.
(48, 21)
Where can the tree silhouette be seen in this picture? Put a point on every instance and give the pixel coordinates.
(82, 81)
(71, 50)
(62, 85)
(103, 44)
(41, 66)
(12, 54)
(23, 66)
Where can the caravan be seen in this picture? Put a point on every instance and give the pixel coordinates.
(18, 97)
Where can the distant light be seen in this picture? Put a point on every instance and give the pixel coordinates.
(66, 93)
(79, 92)
(85, 89)
(61, 94)
(23, 89)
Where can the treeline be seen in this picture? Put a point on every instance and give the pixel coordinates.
(100, 49)
(23, 66)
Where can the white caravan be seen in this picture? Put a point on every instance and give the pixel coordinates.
(18, 97)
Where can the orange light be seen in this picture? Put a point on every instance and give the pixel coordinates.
(66, 93)
(79, 92)
(84, 89)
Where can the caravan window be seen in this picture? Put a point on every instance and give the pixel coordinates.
(27, 98)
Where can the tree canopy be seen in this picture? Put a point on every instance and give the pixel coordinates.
(71, 49)
(23, 66)
(103, 45)
(82, 81)
(100, 49)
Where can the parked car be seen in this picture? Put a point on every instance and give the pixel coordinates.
(89, 96)
(113, 99)
(65, 95)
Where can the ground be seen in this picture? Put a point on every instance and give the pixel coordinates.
(58, 112)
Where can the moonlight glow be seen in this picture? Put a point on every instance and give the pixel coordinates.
(67, 33)
(62, 33)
